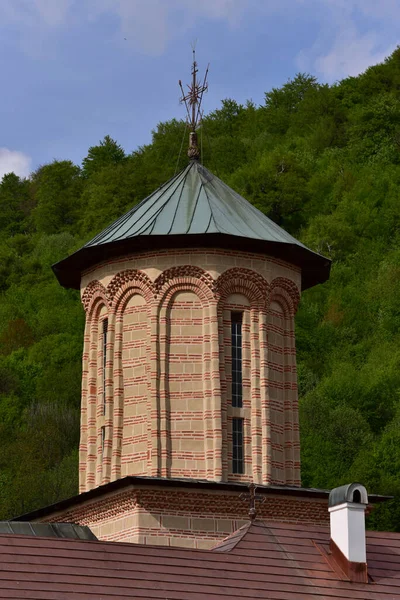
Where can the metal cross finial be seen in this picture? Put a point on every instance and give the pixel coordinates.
(252, 498)
(192, 101)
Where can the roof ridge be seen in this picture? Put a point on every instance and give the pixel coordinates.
(232, 540)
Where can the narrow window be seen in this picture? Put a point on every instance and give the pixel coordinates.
(105, 329)
(237, 446)
(103, 439)
(237, 385)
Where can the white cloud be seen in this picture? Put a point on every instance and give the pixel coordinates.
(384, 9)
(351, 54)
(14, 161)
(32, 21)
(148, 25)
(353, 35)
(37, 13)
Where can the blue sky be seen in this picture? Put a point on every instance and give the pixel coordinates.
(75, 70)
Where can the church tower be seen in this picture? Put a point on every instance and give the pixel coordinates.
(189, 361)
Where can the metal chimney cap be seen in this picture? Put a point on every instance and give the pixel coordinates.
(351, 492)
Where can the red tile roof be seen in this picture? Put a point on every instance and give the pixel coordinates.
(278, 562)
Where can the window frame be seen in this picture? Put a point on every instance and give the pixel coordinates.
(104, 325)
(237, 359)
(237, 445)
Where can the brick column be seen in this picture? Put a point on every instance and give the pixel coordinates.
(164, 416)
(264, 400)
(118, 397)
(225, 357)
(216, 397)
(154, 377)
(83, 444)
(100, 421)
(91, 408)
(246, 411)
(292, 442)
(255, 397)
(295, 411)
(109, 391)
(207, 396)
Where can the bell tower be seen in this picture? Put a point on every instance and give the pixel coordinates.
(189, 361)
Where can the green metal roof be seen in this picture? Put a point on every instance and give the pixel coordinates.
(194, 208)
(194, 202)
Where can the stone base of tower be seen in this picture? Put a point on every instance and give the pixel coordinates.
(194, 514)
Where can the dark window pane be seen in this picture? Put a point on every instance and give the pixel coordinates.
(237, 446)
(236, 337)
(103, 439)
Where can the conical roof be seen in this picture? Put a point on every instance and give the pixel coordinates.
(194, 208)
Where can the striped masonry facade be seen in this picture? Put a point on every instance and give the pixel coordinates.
(187, 518)
(162, 405)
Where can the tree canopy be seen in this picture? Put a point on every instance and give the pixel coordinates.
(324, 163)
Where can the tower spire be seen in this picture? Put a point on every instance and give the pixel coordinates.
(192, 101)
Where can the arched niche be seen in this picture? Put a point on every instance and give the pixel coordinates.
(98, 321)
(93, 389)
(131, 293)
(131, 412)
(183, 345)
(282, 389)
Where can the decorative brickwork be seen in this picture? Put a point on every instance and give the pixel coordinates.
(182, 275)
(281, 287)
(130, 280)
(94, 290)
(179, 517)
(156, 397)
(243, 281)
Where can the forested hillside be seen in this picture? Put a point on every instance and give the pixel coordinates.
(324, 163)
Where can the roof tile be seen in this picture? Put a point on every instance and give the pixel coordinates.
(278, 561)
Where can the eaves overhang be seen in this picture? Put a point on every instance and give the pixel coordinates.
(315, 268)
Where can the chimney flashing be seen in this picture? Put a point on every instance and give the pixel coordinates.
(356, 572)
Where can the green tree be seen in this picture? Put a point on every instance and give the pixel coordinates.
(107, 154)
(14, 198)
(282, 103)
(323, 162)
(57, 192)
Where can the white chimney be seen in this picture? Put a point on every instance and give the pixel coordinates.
(347, 506)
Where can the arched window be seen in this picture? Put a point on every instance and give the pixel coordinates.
(104, 350)
(237, 367)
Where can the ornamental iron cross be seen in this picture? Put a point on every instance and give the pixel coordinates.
(252, 498)
(192, 101)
